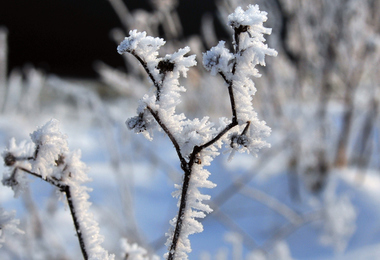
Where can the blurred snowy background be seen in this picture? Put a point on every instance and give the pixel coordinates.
(313, 195)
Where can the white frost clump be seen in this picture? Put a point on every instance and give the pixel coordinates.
(250, 20)
(134, 252)
(50, 144)
(218, 59)
(142, 45)
(17, 180)
(165, 73)
(8, 224)
(238, 70)
(49, 158)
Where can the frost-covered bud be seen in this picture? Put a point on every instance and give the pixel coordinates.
(50, 145)
(10, 181)
(130, 43)
(239, 140)
(243, 21)
(137, 123)
(143, 123)
(177, 62)
(165, 66)
(16, 156)
(146, 47)
(218, 59)
(9, 159)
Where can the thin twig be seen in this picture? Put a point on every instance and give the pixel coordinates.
(187, 170)
(181, 213)
(76, 222)
(66, 189)
(187, 167)
(145, 66)
(170, 135)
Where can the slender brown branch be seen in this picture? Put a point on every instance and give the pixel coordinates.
(185, 186)
(198, 149)
(49, 180)
(225, 78)
(76, 222)
(186, 181)
(184, 165)
(231, 93)
(187, 167)
(145, 66)
(66, 189)
(233, 188)
(181, 214)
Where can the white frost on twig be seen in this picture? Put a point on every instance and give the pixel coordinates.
(8, 224)
(197, 141)
(49, 158)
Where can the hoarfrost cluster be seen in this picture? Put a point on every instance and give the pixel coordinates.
(198, 141)
(48, 157)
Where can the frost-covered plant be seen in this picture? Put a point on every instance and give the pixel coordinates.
(48, 158)
(8, 224)
(198, 141)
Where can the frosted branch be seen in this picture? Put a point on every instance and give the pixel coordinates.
(53, 163)
(196, 141)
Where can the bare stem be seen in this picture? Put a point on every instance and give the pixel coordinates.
(76, 222)
(145, 66)
(187, 166)
(181, 214)
(193, 156)
(171, 137)
(63, 188)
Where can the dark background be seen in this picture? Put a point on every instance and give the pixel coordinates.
(66, 37)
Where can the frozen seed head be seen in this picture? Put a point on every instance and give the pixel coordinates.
(239, 140)
(140, 43)
(177, 62)
(130, 43)
(248, 20)
(9, 159)
(137, 123)
(218, 59)
(165, 66)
